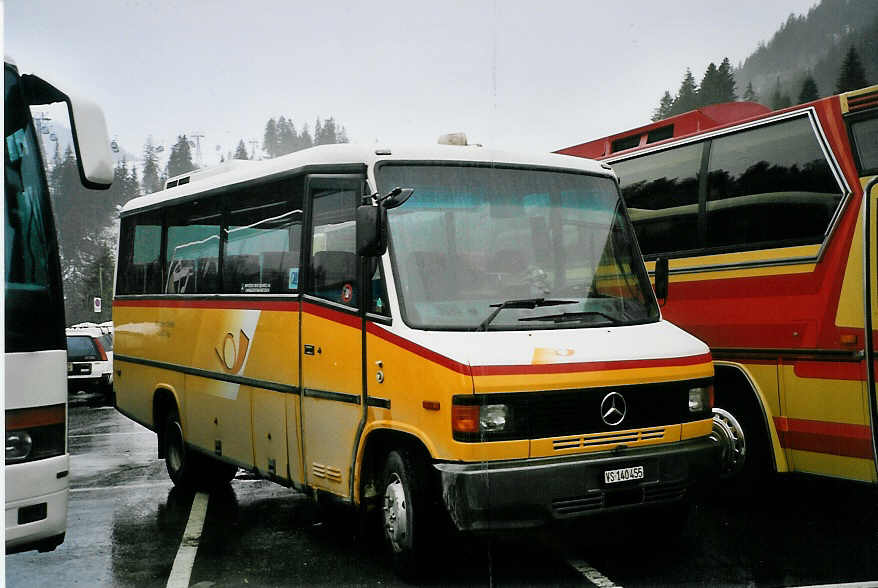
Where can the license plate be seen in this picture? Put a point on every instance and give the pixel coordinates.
(623, 475)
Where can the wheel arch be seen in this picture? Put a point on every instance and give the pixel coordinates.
(164, 399)
(377, 444)
(730, 376)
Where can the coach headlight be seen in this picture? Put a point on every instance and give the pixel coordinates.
(701, 399)
(18, 445)
(472, 422)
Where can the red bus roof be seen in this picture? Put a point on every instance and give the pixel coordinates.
(694, 121)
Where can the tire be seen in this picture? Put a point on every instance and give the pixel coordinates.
(743, 448)
(215, 472)
(180, 463)
(405, 507)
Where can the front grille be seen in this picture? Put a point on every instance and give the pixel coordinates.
(596, 439)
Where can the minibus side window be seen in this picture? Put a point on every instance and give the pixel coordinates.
(193, 242)
(333, 263)
(140, 269)
(263, 240)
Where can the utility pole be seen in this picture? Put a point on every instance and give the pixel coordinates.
(197, 136)
(253, 144)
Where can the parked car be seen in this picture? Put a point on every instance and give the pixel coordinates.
(90, 360)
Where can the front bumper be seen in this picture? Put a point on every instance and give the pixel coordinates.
(532, 492)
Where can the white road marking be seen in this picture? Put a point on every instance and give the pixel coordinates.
(122, 487)
(591, 574)
(185, 559)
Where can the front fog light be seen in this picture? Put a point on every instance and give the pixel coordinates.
(493, 417)
(700, 399)
(18, 445)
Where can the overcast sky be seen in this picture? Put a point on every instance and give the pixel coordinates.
(533, 76)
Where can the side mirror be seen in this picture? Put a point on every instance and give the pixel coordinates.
(90, 138)
(661, 278)
(371, 241)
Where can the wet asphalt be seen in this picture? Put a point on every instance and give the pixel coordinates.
(126, 521)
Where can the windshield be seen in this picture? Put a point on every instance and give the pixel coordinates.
(81, 348)
(554, 249)
(34, 307)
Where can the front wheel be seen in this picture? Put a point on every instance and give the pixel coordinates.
(743, 449)
(404, 508)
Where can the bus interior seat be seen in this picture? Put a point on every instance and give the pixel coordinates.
(181, 276)
(208, 275)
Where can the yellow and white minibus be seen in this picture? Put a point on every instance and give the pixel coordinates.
(411, 331)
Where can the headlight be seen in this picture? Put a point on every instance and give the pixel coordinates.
(493, 418)
(470, 422)
(701, 399)
(18, 445)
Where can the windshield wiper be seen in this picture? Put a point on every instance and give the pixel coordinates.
(529, 303)
(565, 317)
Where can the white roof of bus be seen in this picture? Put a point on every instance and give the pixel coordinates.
(356, 154)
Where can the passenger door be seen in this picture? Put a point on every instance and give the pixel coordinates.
(332, 338)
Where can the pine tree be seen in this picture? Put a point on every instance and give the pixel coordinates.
(664, 108)
(180, 159)
(709, 91)
(318, 132)
(750, 94)
(779, 100)
(241, 151)
(305, 140)
(287, 138)
(687, 96)
(150, 169)
(852, 75)
(809, 90)
(270, 143)
(726, 79)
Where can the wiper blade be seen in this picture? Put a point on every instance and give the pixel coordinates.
(529, 303)
(569, 316)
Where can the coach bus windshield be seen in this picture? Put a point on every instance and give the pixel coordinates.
(34, 309)
(555, 248)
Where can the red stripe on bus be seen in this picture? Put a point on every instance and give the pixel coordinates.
(24, 418)
(590, 366)
(830, 370)
(438, 358)
(282, 305)
(825, 437)
(336, 316)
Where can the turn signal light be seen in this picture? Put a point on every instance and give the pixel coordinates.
(465, 418)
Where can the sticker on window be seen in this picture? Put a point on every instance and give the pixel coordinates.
(256, 288)
(347, 293)
(294, 279)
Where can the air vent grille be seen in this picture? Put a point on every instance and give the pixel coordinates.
(596, 439)
(863, 101)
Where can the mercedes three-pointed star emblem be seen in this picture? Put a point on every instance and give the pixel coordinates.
(613, 408)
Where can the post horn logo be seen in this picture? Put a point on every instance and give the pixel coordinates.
(231, 355)
(613, 409)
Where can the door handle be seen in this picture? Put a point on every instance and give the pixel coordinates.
(309, 350)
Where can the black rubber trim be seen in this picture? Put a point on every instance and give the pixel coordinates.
(327, 395)
(797, 354)
(244, 381)
(379, 402)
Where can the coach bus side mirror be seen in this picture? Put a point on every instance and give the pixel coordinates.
(661, 278)
(90, 138)
(371, 221)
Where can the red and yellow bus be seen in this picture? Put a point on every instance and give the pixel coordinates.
(483, 337)
(766, 221)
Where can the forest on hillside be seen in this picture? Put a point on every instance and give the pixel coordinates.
(832, 48)
(87, 220)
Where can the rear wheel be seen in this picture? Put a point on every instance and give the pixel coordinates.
(179, 462)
